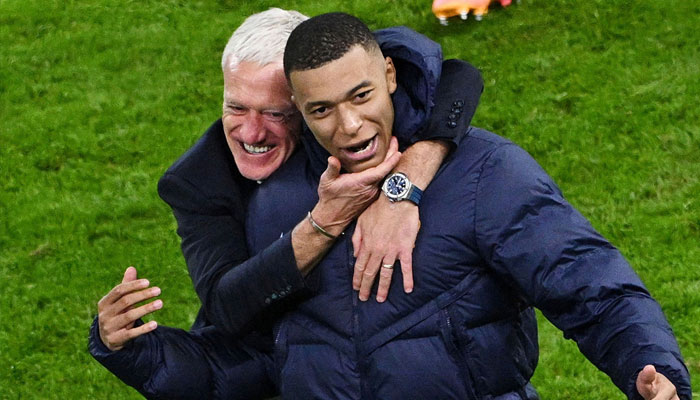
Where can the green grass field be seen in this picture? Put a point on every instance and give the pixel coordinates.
(98, 98)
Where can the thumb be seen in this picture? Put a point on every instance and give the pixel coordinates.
(356, 240)
(393, 147)
(333, 169)
(376, 174)
(645, 382)
(129, 275)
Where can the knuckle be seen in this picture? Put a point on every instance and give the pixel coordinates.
(118, 291)
(127, 317)
(123, 302)
(110, 341)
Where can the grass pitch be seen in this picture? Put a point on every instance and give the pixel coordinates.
(98, 98)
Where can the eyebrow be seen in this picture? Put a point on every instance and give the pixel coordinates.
(349, 93)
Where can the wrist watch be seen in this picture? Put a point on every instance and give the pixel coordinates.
(397, 187)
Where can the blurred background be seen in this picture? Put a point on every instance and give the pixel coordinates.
(97, 99)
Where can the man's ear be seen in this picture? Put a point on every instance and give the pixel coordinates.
(294, 101)
(390, 75)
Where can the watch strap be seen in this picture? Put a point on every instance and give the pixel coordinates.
(414, 195)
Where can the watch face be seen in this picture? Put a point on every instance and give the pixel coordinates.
(396, 185)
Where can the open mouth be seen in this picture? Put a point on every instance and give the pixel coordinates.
(362, 147)
(362, 151)
(251, 149)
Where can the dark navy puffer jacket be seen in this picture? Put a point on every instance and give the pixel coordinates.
(497, 239)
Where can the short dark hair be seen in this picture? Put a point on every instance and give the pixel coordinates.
(325, 38)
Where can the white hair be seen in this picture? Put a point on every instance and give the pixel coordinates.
(261, 38)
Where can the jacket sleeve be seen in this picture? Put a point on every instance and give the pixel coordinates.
(441, 97)
(457, 97)
(553, 257)
(233, 288)
(170, 363)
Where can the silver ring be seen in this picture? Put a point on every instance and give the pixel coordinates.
(388, 266)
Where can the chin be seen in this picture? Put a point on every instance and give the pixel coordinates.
(256, 172)
(364, 165)
(255, 175)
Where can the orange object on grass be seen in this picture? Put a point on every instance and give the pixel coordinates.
(444, 9)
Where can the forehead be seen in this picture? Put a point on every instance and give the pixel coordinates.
(256, 86)
(332, 81)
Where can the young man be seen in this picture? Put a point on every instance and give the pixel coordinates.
(497, 239)
(207, 189)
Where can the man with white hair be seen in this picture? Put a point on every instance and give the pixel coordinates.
(208, 189)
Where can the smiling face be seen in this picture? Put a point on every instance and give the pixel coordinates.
(347, 105)
(260, 121)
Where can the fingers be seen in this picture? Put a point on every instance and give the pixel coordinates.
(128, 318)
(406, 260)
(368, 275)
(645, 381)
(665, 389)
(116, 312)
(116, 340)
(385, 278)
(127, 302)
(117, 318)
(121, 313)
(360, 265)
(115, 331)
(356, 240)
(122, 290)
(129, 275)
(332, 170)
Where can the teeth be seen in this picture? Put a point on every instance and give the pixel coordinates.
(256, 149)
(360, 150)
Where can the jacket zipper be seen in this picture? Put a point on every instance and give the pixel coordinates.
(460, 356)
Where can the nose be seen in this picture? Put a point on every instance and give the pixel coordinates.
(350, 120)
(252, 127)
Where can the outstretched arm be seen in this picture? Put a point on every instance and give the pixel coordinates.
(534, 239)
(170, 363)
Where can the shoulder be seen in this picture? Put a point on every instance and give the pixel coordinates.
(210, 154)
(204, 172)
(480, 144)
(496, 163)
(503, 170)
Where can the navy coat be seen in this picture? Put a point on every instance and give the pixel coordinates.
(497, 239)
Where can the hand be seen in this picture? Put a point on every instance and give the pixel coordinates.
(654, 386)
(385, 231)
(116, 312)
(341, 197)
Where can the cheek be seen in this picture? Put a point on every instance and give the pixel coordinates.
(281, 134)
(228, 122)
(322, 131)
